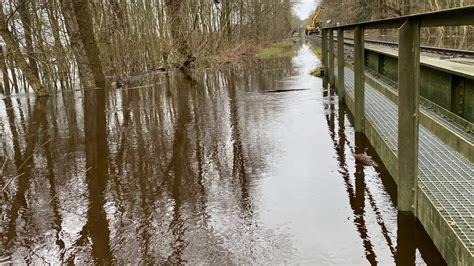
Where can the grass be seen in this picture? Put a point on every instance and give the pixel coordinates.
(269, 52)
(277, 49)
(316, 50)
(318, 72)
(283, 44)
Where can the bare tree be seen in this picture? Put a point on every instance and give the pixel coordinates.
(86, 30)
(14, 47)
(52, 43)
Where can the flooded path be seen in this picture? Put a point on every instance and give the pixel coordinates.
(231, 169)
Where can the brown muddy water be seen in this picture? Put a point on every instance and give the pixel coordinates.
(226, 170)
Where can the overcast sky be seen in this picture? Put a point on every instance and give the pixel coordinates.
(305, 7)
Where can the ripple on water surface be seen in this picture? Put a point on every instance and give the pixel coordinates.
(253, 164)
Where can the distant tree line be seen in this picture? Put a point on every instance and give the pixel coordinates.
(47, 44)
(351, 11)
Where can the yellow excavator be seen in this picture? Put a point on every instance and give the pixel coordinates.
(315, 27)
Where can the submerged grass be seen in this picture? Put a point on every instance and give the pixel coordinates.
(318, 71)
(240, 52)
(245, 51)
(316, 49)
(277, 49)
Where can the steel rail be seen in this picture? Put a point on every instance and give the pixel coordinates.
(427, 49)
(449, 17)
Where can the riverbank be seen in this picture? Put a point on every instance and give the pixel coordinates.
(245, 52)
(249, 51)
(284, 48)
(317, 51)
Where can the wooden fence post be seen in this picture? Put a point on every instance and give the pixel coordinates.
(359, 79)
(331, 58)
(408, 108)
(340, 64)
(324, 57)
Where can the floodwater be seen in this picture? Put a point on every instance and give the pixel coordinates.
(229, 169)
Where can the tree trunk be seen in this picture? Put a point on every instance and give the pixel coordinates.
(3, 65)
(24, 10)
(19, 59)
(406, 7)
(179, 39)
(226, 25)
(85, 71)
(86, 30)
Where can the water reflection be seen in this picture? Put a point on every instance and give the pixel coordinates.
(357, 191)
(406, 247)
(96, 230)
(413, 245)
(218, 171)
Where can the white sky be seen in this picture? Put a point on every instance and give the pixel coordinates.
(304, 8)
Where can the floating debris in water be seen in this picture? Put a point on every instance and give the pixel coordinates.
(365, 159)
(280, 91)
(318, 72)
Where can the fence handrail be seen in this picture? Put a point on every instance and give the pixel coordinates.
(450, 17)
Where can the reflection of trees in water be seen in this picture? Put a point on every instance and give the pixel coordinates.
(238, 161)
(22, 160)
(160, 173)
(32, 201)
(96, 229)
(179, 170)
(53, 195)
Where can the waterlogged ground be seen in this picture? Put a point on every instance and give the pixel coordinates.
(226, 170)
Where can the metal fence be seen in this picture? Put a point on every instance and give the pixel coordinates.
(408, 82)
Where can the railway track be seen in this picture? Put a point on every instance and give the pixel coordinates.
(457, 53)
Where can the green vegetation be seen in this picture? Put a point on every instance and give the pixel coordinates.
(318, 72)
(277, 49)
(269, 52)
(363, 10)
(316, 49)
